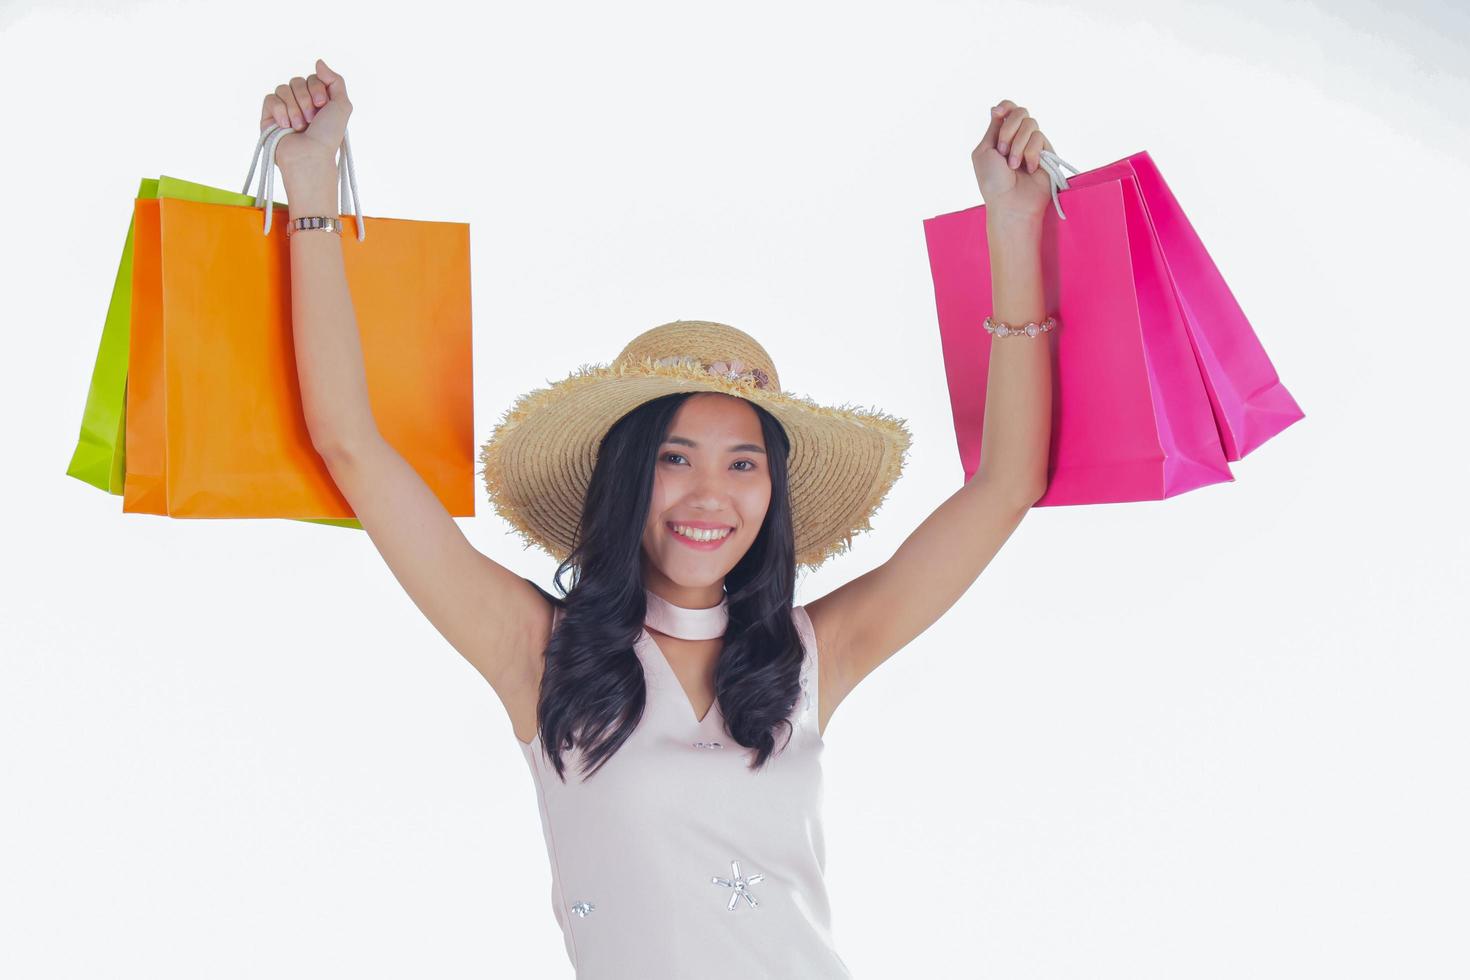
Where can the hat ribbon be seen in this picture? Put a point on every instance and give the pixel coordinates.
(733, 370)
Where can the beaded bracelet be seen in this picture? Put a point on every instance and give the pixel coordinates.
(1003, 329)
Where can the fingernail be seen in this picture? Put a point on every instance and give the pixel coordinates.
(1004, 146)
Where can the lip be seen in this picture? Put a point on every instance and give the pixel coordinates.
(699, 545)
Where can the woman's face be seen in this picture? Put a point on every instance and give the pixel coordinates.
(712, 470)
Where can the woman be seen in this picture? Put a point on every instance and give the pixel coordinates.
(683, 486)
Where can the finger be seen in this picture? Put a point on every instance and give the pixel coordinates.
(318, 90)
(336, 85)
(1032, 152)
(293, 111)
(274, 110)
(1018, 141)
(267, 112)
(1014, 118)
(303, 98)
(997, 116)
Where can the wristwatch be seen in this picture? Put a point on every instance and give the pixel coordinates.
(317, 222)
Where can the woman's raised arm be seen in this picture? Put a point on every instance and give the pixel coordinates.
(866, 621)
(493, 617)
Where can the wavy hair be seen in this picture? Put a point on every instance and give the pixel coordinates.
(593, 692)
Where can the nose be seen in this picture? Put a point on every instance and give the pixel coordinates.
(709, 490)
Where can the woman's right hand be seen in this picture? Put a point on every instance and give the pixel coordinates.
(315, 109)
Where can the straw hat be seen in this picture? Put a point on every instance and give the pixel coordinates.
(539, 459)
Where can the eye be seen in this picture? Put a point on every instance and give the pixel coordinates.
(750, 468)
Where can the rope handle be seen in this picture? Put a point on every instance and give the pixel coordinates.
(1053, 164)
(346, 176)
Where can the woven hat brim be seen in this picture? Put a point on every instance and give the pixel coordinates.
(538, 461)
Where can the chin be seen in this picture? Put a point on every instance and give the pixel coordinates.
(691, 570)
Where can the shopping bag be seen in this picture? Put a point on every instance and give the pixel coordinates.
(99, 456)
(1131, 419)
(144, 490)
(1249, 402)
(214, 423)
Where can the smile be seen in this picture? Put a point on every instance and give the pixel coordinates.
(702, 539)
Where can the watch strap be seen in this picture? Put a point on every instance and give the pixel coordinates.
(314, 222)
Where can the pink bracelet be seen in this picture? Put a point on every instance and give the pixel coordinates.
(1002, 329)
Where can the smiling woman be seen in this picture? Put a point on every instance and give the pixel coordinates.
(676, 657)
(681, 646)
(675, 673)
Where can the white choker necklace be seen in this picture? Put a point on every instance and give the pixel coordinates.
(686, 623)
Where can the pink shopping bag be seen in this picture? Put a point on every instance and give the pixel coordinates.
(1132, 419)
(1249, 401)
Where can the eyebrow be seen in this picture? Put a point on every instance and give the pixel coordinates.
(744, 447)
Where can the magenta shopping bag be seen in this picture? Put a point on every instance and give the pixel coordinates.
(1249, 401)
(1134, 417)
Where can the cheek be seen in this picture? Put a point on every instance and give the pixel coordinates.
(659, 501)
(754, 503)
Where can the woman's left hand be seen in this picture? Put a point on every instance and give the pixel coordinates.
(1008, 163)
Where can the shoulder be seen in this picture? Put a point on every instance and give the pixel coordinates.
(819, 673)
(814, 619)
(810, 640)
(803, 620)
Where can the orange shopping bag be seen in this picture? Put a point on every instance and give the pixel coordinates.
(214, 423)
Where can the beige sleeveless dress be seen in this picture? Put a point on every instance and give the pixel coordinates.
(675, 860)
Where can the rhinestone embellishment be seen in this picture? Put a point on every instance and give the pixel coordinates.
(741, 885)
(582, 908)
(708, 745)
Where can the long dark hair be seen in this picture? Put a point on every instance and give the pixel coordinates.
(592, 688)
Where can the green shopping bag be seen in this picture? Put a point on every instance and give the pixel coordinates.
(100, 457)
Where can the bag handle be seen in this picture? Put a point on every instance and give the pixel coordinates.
(1053, 164)
(346, 175)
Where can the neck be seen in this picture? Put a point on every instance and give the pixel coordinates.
(699, 599)
(688, 596)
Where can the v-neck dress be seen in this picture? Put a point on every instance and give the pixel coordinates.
(675, 860)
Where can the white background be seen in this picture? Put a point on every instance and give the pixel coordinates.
(1221, 735)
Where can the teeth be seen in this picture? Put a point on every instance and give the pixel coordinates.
(700, 534)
